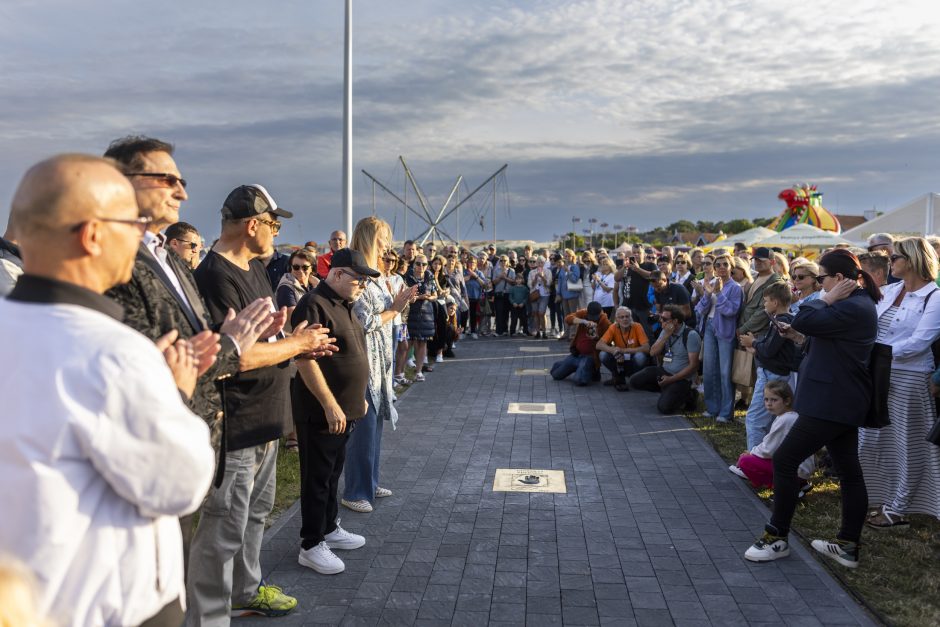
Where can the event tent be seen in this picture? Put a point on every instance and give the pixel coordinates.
(920, 216)
(803, 236)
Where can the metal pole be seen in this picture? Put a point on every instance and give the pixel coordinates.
(405, 211)
(928, 224)
(494, 212)
(373, 197)
(347, 123)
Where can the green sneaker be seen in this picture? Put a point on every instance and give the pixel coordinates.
(270, 601)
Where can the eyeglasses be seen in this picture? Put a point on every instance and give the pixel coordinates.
(305, 267)
(188, 244)
(421, 263)
(361, 280)
(170, 180)
(897, 256)
(274, 225)
(141, 223)
(820, 277)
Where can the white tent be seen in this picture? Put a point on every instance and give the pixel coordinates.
(803, 236)
(750, 236)
(921, 216)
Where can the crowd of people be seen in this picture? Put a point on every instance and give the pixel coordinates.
(789, 341)
(155, 380)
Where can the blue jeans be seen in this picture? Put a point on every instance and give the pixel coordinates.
(758, 418)
(361, 472)
(716, 374)
(581, 365)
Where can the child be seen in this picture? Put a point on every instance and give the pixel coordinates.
(451, 330)
(774, 355)
(757, 465)
(518, 297)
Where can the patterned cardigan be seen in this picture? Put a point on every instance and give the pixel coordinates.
(368, 308)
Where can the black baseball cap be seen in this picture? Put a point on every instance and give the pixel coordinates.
(594, 311)
(762, 252)
(249, 201)
(354, 260)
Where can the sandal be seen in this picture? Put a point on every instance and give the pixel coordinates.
(291, 444)
(381, 492)
(886, 519)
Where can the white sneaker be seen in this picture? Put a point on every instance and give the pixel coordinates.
(439, 359)
(321, 559)
(339, 538)
(767, 549)
(475, 336)
(362, 506)
(411, 363)
(734, 468)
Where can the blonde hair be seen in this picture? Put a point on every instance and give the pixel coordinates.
(19, 596)
(920, 256)
(608, 265)
(781, 261)
(366, 235)
(740, 264)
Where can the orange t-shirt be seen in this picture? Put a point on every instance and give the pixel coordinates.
(636, 336)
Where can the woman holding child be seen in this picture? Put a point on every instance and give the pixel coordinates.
(832, 399)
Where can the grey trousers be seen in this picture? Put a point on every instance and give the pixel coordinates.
(224, 560)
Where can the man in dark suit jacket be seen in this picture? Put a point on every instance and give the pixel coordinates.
(162, 297)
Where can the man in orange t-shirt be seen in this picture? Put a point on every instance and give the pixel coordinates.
(624, 349)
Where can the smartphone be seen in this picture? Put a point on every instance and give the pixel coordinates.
(632, 259)
(780, 326)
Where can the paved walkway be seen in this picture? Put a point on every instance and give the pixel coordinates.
(651, 531)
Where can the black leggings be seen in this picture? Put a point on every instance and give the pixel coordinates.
(807, 436)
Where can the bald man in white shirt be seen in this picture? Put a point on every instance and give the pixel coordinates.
(99, 455)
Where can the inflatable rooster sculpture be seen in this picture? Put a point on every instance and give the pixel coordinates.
(804, 206)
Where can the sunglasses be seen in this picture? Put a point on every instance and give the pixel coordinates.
(723, 264)
(819, 278)
(274, 225)
(800, 277)
(187, 243)
(421, 263)
(305, 267)
(170, 180)
(896, 256)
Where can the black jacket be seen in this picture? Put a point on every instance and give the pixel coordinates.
(776, 353)
(834, 383)
(153, 307)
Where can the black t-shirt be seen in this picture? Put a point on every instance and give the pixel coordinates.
(634, 289)
(257, 402)
(346, 371)
(674, 294)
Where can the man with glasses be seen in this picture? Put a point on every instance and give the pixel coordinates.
(99, 454)
(337, 242)
(883, 242)
(328, 397)
(183, 239)
(225, 569)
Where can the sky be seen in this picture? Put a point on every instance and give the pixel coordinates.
(630, 112)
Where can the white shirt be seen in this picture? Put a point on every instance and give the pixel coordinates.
(155, 243)
(602, 296)
(779, 429)
(914, 327)
(98, 458)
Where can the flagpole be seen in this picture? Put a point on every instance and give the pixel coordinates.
(347, 124)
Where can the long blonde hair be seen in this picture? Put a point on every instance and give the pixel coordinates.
(365, 238)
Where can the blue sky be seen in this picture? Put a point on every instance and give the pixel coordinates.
(636, 113)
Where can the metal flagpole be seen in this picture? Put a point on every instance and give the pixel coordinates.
(347, 124)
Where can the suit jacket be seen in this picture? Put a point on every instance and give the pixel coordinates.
(154, 307)
(834, 382)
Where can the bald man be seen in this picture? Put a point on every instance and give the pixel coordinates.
(337, 242)
(99, 454)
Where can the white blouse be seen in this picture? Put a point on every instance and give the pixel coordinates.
(914, 328)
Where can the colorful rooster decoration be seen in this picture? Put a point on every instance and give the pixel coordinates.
(804, 206)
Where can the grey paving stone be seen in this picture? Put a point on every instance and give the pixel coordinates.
(651, 531)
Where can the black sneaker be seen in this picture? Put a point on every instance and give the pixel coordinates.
(842, 551)
(804, 489)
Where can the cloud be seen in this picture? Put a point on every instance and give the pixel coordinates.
(625, 110)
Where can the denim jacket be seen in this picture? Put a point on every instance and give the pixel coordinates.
(727, 305)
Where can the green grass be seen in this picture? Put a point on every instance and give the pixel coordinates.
(899, 574)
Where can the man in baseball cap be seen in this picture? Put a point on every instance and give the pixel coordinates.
(251, 201)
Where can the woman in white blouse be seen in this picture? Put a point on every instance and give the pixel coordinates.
(902, 469)
(603, 282)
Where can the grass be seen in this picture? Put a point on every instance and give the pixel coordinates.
(899, 576)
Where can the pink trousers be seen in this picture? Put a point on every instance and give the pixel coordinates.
(759, 470)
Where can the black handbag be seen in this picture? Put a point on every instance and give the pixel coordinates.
(879, 367)
(934, 436)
